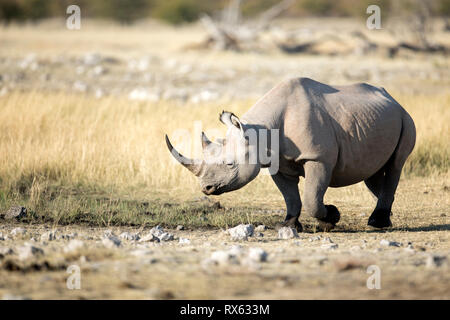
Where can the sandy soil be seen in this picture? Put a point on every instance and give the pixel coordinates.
(331, 265)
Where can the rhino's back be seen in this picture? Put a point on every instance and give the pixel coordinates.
(367, 123)
(355, 127)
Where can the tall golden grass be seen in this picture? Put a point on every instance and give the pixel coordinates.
(80, 142)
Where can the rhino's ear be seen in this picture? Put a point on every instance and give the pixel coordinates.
(231, 120)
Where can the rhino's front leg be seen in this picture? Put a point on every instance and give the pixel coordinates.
(317, 180)
(288, 186)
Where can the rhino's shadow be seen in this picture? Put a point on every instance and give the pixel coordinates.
(430, 228)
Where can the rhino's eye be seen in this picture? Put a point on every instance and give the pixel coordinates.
(229, 164)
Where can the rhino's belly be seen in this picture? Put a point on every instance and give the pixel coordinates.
(362, 155)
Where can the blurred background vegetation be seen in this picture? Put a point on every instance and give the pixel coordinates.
(183, 11)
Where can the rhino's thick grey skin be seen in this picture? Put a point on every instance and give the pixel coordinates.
(333, 136)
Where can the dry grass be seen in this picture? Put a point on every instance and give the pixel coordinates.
(57, 148)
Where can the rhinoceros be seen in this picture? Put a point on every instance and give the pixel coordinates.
(333, 136)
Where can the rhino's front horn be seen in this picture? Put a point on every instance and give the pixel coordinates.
(192, 165)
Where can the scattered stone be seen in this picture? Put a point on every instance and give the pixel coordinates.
(180, 227)
(165, 237)
(129, 236)
(48, 236)
(316, 238)
(261, 228)
(2, 238)
(184, 241)
(92, 59)
(18, 231)
(159, 232)
(111, 242)
(73, 245)
(98, 70)
(259, 235)
(410, 248)
(241, 232)
(287, 233)
(257, 255)
(80, 86)
(236, 250)
(224, 258)
(140, 94)
(149, 238)
(434, 261)
(69, 236)
(327, 240)
(28, 251)
(16, 212)
(387, 243)
(330, 246)
(5, 251)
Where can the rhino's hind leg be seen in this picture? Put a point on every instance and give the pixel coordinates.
(375, 183)
(380, 218)
(288, 186)
(317, 180)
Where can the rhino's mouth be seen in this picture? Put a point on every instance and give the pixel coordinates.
(212, 190)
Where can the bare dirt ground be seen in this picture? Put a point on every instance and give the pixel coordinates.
(146, 65)
(412, 257)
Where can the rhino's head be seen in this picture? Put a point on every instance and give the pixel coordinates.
(228, 164)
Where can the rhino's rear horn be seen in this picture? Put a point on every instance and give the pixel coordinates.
(192, 165)
(205, 141)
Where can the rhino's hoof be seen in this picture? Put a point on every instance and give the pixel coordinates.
(380, 218)
(333, 215)
(329, 222)
(292, 222)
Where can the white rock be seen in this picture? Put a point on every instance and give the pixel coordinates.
(388, 243)
(74, 245)
(203, 96)
(224, 258)
(92, 59)
(257, 254)
(184, 241)
(327, 240)
(162, 235)
(329, 246)
(98, 70)
(18, 231)
(180, 227)
(129, 236)
(316, 238)
(149, 237)
(165, 237)
(434, 261)
(140, 94)
(80, 86)
(48, 236)
(287, 233)
(261, 228)
(111, 242)
(4, 251)
(28, 251)
(236, 250)
(241, 232)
